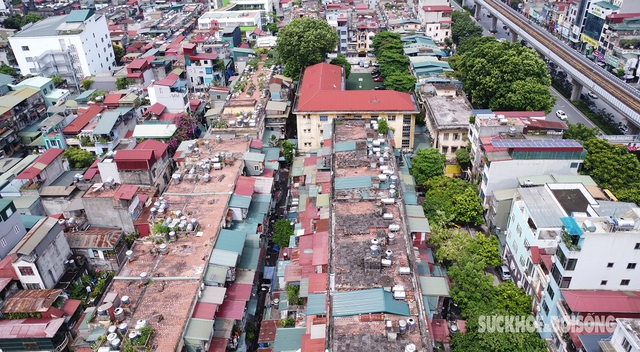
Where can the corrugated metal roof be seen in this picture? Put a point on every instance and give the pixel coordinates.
(410, 198)
(33, 238)
(29, 328)
(250, 258)
(374, 300)
(344, 147)
(237, 201)
(106, 123)
(198, 329)
(231, 240)
(94, 238)
(239, 292)
(414, 211)
(304, 287)
(297, 171)
(216, 274)
(214, 295)
(251, 156)
(30, 301)
(434, 286)
(542, 207)
(419, 225)
(352, 182)
(288, 339)
(224, 258)
(204, 310)
(282, 264)
(317, 304)
(232, 309)
(322, 200)
(154, 131)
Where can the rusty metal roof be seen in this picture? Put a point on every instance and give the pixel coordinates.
(30, 301)
(95, 238)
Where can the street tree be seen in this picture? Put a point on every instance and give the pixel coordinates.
(401, 82)
(122, 83)
(273, 28)
(119, 53)
(504, 76)
(31, 18)
(392, 63)
(342, 61)
(463, 158)
(7, 70)
(472, 288)
(13, 22)
(386, 41)
(611, 166)
(426, 164)
(79, 158)
(304, 42)
(580, 132)
(451, 200)
(464, 27)
(467, 207)
(287, 151)
(282, 232)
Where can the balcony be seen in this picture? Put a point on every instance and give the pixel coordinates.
(566, 316)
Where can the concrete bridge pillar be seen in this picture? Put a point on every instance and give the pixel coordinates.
(478, 14)
(577, 90)
(514, 36)
(494, 23)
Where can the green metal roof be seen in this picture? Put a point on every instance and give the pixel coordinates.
(250, 258)
(432, 301)
(224, 258)
(374, 300)
(216, 274)
(304, 287)
(260, 207)
(82, 98)
(79, 15)
(414, 211)
(434, 286)
(282, 264)
(288, 339)
(344, 146)
(230, 240)
(30, 221)
(242, 202)
(271, 153)
(352, 182)
(106, 123)
(198, 329)
(419, 225)
(251, 156)
(252, 241)
(317, 304)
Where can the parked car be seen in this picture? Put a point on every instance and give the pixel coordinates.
(382, 87)
(504, 273)
(375, 72)
(592, 95)
(377, 79)
(561, 115)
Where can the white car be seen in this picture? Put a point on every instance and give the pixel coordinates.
(561, 115)
(592, 95)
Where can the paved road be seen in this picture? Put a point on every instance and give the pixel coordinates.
(574, 115)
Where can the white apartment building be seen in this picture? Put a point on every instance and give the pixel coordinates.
(219, 20)
(75, 46)
(626, 336)
(435, 17)
(170, 92)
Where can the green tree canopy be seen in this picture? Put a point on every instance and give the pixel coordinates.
(304, 42)
(273, 28)
(79, 158)
(426, 164)
(451, 200)
(611, 166)
(342, 61)
(504, 76)
(579, 131)
(463, 158)
(57, 80)
(7, 70)
(282, 232)
(287, 151)
(31, 18)
(401, 82)
(383, 127)
(464, 27)
(122, 83)
(118, 52)
(387, 42)
(13, 22)
(392, 63)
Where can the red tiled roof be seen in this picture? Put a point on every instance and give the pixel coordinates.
(29, 328)
(601, 301)
(156, 109)
(321, 90)
(82, 120)
(256, 144)
(232, 309)
(203, 56)
(124, 158)
(243, 46)
(139, 63)
(239, 292)
(311, 345)
(40, 163)
(168, 81)
(6, 268)
(194, 104)
(112, 100)
(317, 282)
(134, 75)
(204, 310)
(125, 192)
(437, 8)
(158, 147)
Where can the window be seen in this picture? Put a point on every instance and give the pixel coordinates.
(571, 264)
(456, 136)
(603, 283)
(393, 118)
(445, 137)
(29, 59)
(550, 292)
(25, 48)
(453, 149)
(624, 283)
(574, 165)
(33, 287)
(565, 282)
(307, 144)
(515, 247)
(324, 118)
(256, 167)
(637, 246)
(357, 116)
(519, 230)
(26, 270)
(626, 345)
(631, 266)
(3, 242)
(16, 229)
(545, 307)
(30, 346)
(9, 212)
(208, 70)
(445, 150)
(609, 265)
(33, 70)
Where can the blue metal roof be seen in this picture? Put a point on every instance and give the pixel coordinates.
(242, 202)
(317, 304)
(288, 339)
(344, 147)
(106, 123)
(352, 182)
(250, 258)
(231, 240)
(375, 300)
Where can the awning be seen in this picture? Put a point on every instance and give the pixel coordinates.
(177, 71)
(39, 142)
(6, 133)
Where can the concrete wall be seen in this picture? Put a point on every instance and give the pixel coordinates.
(53, 171)
(51, 261)
(11, 232)
(100, 211)
(55, 205)
(136, 177)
